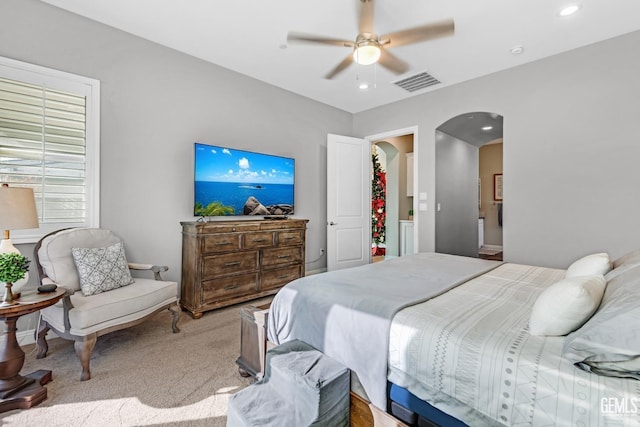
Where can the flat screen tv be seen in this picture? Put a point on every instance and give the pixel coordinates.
(230, 182)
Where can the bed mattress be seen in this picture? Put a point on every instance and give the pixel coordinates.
(412, 410)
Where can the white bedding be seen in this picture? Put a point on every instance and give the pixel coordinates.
(468, 352)
(347, 314)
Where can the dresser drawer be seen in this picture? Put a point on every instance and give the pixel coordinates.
(221, 243)
(221, 265)
(281, 256)
(218, 227)
(280, 276)
(258, 240)
(229, 287)
(290, 238)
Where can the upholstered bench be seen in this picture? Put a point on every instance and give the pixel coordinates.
(301, 387)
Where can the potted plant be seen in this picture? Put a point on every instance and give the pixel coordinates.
(13, 267)
(410, 214)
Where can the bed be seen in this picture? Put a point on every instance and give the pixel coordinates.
(453, 333)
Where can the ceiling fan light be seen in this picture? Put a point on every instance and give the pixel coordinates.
(366, 53)
(569, 10)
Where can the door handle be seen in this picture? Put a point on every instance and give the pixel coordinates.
(333, 223)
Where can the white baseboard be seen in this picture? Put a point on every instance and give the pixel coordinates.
(27, 337)
(312, 272)
(23, 337)
(493, 247)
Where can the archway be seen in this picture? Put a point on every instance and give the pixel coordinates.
(387, 156)
(458, 182)
(399, 186)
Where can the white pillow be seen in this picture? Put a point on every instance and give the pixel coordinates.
(566, 305)
(590, 265)
(609, 343)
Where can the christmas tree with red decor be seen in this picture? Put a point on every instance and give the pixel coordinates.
(378, 208)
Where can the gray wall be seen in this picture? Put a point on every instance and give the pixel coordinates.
(391, 166)
(155, 103)
(457, 164)
(571, 149)
(404, 145)
(398, 204)
(490, 164)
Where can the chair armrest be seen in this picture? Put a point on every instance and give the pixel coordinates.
(157, 269)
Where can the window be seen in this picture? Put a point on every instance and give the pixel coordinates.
(49, 141)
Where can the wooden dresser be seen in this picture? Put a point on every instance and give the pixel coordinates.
(227, 262)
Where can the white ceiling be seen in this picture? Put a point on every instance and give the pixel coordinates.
(250, 37)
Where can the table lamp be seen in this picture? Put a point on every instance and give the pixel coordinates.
(17, 212)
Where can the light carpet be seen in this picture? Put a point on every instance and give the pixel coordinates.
(143, 376)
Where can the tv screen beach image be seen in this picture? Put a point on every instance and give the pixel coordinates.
(235, 182)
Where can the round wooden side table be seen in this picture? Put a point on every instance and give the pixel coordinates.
(17, 391)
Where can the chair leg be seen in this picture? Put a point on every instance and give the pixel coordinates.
(41, 339)
(175, 310)
(83, 350)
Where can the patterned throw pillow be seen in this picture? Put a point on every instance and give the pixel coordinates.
(101, 269)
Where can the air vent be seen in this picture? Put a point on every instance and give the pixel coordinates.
(417, 82)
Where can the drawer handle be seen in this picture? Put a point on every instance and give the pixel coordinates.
(232, 264)
(259, 240)
(289, 238)
(228, 288)
(282, 276)
(223, 244)
(283, 256)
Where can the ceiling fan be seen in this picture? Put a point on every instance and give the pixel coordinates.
(369, 48)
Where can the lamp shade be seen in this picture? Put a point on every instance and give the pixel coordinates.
(366, 52)
(17, 208)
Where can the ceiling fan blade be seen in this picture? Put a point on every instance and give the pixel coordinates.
(365, 18)
(340, 67)
(392, 62)
(309, 38)
(419, 34)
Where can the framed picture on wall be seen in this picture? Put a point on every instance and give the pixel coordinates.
(497, 187)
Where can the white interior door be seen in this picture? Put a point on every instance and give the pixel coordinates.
(348, 202)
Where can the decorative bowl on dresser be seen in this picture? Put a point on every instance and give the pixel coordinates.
(227, 262)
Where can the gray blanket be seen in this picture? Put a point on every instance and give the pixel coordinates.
(347, 314)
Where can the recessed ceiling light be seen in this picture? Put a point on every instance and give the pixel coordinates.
(487, 128)
(569, 10)
(364, 86)
(517, 50)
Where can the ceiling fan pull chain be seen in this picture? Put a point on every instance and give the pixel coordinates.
(375, 76)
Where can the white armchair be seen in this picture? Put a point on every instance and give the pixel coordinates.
(83, 318)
